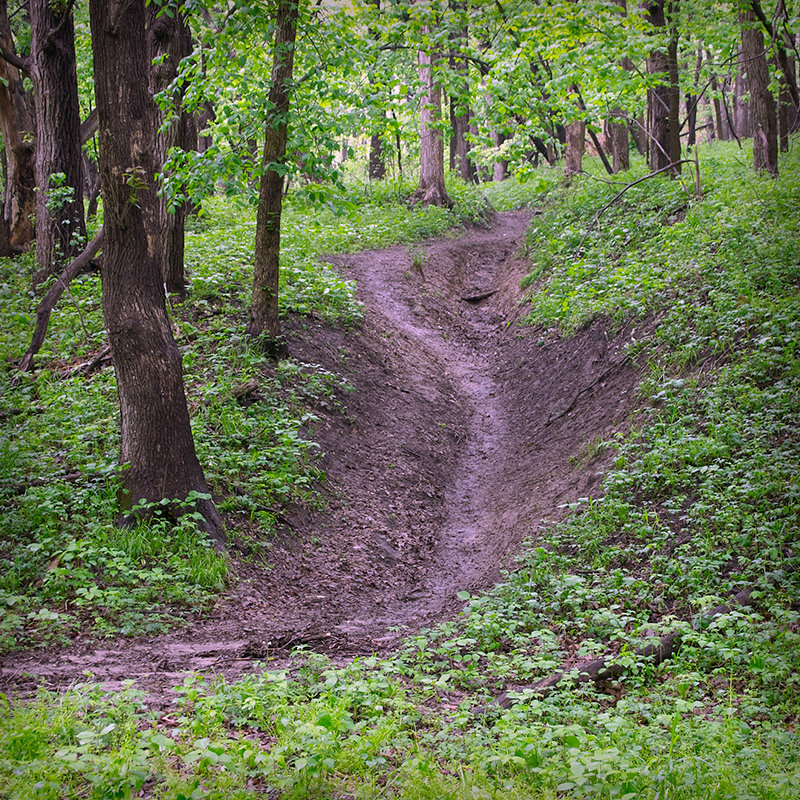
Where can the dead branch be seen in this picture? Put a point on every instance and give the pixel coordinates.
(596, 217)
(48, 302)
(606, 668)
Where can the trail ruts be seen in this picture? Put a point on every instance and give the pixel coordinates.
(451, 450)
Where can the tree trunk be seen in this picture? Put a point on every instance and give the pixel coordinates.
(741, 107)
(576, 145)
(721, 131)
(60, 221)
(460, 112)
(500, 169)
(658, 97)
(18, 130)
(620, 146)
(169, 41)
(431, 190)
(264, 321)
(674, 88)
(764, 118)
(157, 446)
(377, 165)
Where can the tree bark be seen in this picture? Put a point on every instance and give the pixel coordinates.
(60, 220)
(674, 87)
(460, 112)
(19, 130)
(658, 97)
(431, 189)
(764, 117)
(377, 165)
(576, 145)
(169, 41)
(264, 321)
(157, 446)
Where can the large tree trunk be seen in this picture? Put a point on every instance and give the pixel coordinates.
(741, 106)
(431, 189)
(264, 322)
(60, 221)
(169, 41)
(157, 446)
(18, 130)
(764, 120)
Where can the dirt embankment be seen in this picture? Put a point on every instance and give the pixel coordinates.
(458, 440)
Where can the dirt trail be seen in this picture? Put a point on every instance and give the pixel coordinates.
(458, 440)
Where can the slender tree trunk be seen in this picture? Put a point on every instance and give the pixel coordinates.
(19, 130)
(663, 101)
(576, 145)
(157, 446)
(60, 221)
(431, 189)
(460, 112)
(721, 132)
(500, 169)
(674, 87)
(377, 165)
(764, 117)
(617, 128)
(264, 321)
(692, 102)
(169, 41)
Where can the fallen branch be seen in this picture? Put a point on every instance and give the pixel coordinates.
(48, 302)
(603, 669)
(596, 217)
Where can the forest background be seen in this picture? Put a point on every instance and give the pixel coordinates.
(270, 115)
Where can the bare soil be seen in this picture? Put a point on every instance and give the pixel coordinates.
(463, 433)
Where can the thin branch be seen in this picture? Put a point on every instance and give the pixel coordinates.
(617, 196)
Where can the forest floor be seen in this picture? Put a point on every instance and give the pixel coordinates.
(463, 431)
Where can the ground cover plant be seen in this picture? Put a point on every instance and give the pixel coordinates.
(66, 569)
(700, 499)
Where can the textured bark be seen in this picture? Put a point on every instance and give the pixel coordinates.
(658, 97)
(674, 87)
(157, 446)
(764, 117)
(460, 112)
(19, 131)
(431, 189)
(741, 107)
(620, 147)
(60, 223)
(264, 321)
(576, 145)
(169, 40)
(377, 166)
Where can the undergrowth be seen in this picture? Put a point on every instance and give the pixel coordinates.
(699, 499)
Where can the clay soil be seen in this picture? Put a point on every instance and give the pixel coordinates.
(463, 433)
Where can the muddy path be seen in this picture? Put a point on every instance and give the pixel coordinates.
(462, 433)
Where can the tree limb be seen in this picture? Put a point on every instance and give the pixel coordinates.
(48, 302)
(23, 64)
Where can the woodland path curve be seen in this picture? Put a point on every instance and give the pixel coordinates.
(462, 434)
